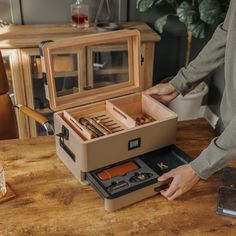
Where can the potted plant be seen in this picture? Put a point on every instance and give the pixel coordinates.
(198, 16)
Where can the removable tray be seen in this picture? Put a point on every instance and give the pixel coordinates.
(156, 163)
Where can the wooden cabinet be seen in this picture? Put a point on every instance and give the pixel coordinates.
(19, 46)
(34, 87)
(17, 92)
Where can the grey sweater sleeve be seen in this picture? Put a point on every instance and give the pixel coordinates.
(220, 151)
(211, 57)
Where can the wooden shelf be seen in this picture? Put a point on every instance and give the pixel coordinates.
(111, 71)
(59, 74)
(30, 36)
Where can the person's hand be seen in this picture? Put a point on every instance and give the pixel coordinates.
(184, 178)
(163, 92)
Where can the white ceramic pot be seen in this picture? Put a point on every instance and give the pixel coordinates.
(188, 107)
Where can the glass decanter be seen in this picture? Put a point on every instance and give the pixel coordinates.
(80, 14)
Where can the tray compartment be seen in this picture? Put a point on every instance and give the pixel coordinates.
(142, 109)
(155, 163)
(118, 115)
(104, 187)
(102, 120)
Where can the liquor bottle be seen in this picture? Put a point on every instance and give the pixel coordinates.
(80, 14)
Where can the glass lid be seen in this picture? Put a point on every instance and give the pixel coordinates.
(92, 68)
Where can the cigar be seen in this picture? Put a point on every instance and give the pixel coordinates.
(116, 127)
(100, 116)
(149, 118)
(90, 132)
(87, 124)
(103, 125)
(139, 121)
(144, 119)
(99, 126)
(79, 128)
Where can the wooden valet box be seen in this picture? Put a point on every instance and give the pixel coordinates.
(102, 120)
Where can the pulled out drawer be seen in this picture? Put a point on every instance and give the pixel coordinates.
(130, 181)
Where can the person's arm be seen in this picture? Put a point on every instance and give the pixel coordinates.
(220, 151)
(210, 58)
(217, 155)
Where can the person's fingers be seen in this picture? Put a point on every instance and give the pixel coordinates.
(175, 195)
(184, 178)
(164, 89)
(153, 90)
(169, 192)
(166, 176)
(169, 97)
(160, 89)
(163, 192)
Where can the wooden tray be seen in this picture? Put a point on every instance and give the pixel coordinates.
(9, 195)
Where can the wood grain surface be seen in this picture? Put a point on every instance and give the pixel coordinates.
(51, 202)
(27, 36)
(9, 194)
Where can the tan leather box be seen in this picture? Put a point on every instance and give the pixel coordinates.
(101, 116)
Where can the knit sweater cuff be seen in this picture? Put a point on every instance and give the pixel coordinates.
(210, 160)
(180, 83)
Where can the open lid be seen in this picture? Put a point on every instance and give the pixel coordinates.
(91, 68)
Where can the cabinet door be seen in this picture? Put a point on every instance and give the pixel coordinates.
(11, 59)
(34, 86)
(107, 64)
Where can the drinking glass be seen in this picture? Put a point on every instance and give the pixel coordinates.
(3, 188)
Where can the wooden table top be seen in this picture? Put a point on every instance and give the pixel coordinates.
(28, 36)
(50, 201)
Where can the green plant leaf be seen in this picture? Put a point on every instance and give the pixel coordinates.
(210, 11)
(198, 30)
(187, 13)
(144, 5)
(137, 3)
(159, 2)
(160, 23)
(170, 1)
